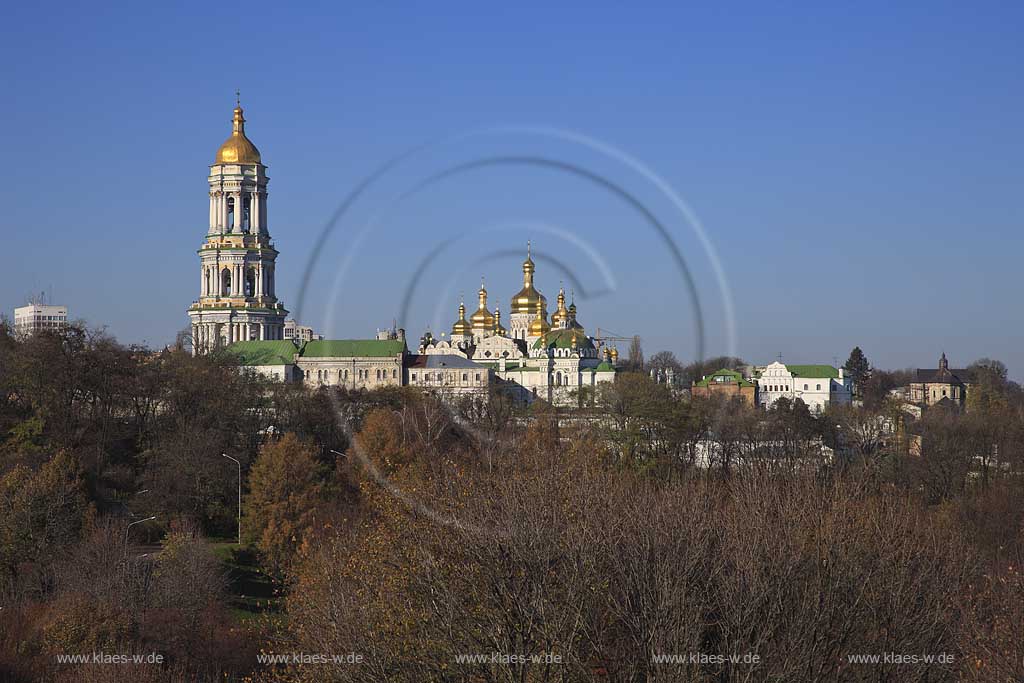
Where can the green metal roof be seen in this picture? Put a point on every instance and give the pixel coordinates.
(562, 339)
(353, 348)
(726, 372)
(813, 371)
(605, 366)
(270, 352)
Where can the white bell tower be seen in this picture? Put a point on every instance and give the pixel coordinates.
(237, 294)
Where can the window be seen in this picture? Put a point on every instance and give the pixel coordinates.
(414, 377)
(465, 377)
(817, 387)
(478, 377)
(805, 387)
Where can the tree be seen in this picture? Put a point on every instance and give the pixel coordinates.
(284, 497)
(857, 367)
(635, 359)
(666, 360)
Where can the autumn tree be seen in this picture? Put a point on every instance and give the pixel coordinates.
(285, 487)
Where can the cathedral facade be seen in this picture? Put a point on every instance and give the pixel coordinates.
(237, 291)
(534, 357)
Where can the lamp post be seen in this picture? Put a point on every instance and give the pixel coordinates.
(239, 496)
(130, 525)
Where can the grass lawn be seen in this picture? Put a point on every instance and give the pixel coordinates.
(250, 590)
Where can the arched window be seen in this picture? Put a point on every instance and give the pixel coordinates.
(250, 282)
(817, 387)
(805, 387)
(208, 285)
(231, 212)
(225, 282)
(246, 211)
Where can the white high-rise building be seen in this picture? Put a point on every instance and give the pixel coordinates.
(237, 299)
(37, 317)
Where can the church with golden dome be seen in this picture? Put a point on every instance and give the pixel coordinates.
(238, 309)
(537, 358)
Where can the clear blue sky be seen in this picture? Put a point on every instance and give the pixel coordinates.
(857, 167)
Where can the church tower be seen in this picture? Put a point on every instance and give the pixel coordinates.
(237, 298)
(524, 303)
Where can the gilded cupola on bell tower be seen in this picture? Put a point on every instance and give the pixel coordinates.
(237, 289)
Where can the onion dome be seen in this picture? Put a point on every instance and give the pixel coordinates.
(498, 329)
(461, 326)
(561, 314)
(238, 149)
(539, 326)
(614, 354)
(572, 315)
(525, 301)
(482, 319)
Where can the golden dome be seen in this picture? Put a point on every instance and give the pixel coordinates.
(461, 327)
(238, 149)
(561, 313)
(539, 326)
(498, 329)
(482, 318)
(525, 301)
(614, 353)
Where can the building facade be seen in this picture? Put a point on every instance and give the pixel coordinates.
(818, 386)
(447, 375)
(932, 385)
(38, 318)
(727, 383)
(300, 334)
(237, 285)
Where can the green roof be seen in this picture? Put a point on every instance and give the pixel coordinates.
(724, 372)
(353, 348)
(562, 339)
(269, 352)
(605, 366)
(813, 371)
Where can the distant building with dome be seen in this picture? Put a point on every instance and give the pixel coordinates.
(238, 309)
(534, 358)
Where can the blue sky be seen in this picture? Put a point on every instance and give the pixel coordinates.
(856, 168)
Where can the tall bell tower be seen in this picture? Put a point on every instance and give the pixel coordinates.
(237, 299)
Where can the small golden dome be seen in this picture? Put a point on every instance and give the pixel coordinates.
(561, 313)
(238, 149)
(461, 326)
(539, 326)
(525, 301)
(614, 353)
(482, 318)
(498, 329)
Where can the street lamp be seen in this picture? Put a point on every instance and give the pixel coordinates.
(130, 525)
(239, 496)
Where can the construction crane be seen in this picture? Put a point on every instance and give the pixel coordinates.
(601, 339)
